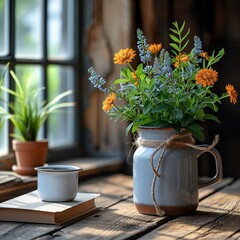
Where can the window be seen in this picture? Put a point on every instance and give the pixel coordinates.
(39, 39)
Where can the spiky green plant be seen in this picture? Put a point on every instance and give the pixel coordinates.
(27, 113)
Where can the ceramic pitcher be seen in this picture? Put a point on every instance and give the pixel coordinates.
(176, 187)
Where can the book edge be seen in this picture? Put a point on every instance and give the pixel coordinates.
(39, 216)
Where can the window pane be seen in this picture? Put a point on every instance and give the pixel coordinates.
(31, 76)
(4, 129)
(4, 27)
(28, 29)
(60, 29)
(60, 124)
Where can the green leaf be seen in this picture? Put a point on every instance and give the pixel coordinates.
(197, 131)
(175, 39)
(147, 107)
(173, 30)
(182, 27)
(175, 24)
(129, 128)
(178, 113)
(4, 73)
(121, 80)
(123, 73)
(129, 74)
(184, 46)
(139, 70)
(188, 31)
(187, 119)
(135, 127)
(221, 52)
(211, 117)
(19, 86)
(200, 114)
(215, 108)
(143, 77)
(159, 108)
(151, 83)
(27, 113)
(175, 53)
(175, 46)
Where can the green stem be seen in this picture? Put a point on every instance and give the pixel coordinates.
(130, 67)
(123, 114)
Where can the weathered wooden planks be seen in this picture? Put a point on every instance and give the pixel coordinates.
(110, 30)
(118, 218)
(112, 188)
(218, 217)
(25, 231)
(121, 220)
(204, 192)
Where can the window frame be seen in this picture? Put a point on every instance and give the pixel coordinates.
(75, 150)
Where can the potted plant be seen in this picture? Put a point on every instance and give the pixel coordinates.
(28, 114)
(165, 99)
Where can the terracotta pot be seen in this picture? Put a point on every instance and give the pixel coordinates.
(29, 155)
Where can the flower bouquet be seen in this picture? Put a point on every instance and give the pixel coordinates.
(167, 89)
(165, 98)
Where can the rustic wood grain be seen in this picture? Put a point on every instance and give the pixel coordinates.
(113, 189)
(235, 236)
(218, 217)
(25, 231)
(94, 166)
(204, 192)
(149, 13)
(121, 220)
(14, 191)
(117, 218)
(109, 32)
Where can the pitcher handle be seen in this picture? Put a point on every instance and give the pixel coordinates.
(204, 182)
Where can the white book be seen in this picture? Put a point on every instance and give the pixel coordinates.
(30, 208)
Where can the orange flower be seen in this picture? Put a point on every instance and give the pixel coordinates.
(204, 55)
(108, 103)
(155, 48)
(206, 77)
(135, 78)
(232, 93)
(124, 55)
(181, 58)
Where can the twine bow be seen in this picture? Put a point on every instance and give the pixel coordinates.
(163, 145)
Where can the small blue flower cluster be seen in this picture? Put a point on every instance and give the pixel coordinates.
(97, 80)
(148, 70)
(144, 53)
(162, 65)
(197, 45)
(189, 71)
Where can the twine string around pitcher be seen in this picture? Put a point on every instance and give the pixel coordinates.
(157, 144)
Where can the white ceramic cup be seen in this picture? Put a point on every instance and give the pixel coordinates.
(57, 183)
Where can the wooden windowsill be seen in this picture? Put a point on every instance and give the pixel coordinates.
(90, 167)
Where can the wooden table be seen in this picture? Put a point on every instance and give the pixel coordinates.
(218, 216)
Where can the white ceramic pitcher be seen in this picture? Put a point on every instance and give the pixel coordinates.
(176, 190)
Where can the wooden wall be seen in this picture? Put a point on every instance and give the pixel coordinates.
(113, 25)
(109, 31)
